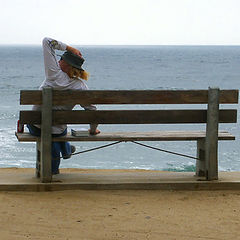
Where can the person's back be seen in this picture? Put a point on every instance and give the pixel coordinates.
(65, 74)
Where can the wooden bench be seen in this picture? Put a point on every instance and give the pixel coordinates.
(207, 140)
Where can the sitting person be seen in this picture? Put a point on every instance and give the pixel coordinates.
(65, 74)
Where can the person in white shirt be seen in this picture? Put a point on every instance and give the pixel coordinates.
(65, 74)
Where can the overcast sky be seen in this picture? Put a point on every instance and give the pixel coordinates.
(121, 21)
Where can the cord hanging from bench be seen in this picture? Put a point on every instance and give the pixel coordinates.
(141, 144)
(96, 148)
(166, 151)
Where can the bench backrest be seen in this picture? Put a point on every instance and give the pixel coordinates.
(110, 97)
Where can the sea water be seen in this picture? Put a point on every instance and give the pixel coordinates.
(128, 68)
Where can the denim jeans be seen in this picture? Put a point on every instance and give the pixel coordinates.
(57, 147)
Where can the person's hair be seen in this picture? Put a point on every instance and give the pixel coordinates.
(77, 73)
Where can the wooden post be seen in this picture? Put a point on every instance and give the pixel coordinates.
(38, 159)
(200, 163)
(211, 147)
(46, 136)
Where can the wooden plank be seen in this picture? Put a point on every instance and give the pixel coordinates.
(38, 159)
(133, 136)
(129, 116)
(200, 162)
(30, 117)
(128, 97)
(211, 143)
(46, 136)
(30, 97)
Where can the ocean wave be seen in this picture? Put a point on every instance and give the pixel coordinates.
(183, 168)
(6, 116)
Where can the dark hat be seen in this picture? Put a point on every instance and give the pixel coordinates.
(73, 60)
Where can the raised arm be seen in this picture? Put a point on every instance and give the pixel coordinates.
(50, 60)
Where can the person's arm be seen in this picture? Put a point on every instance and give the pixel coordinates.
(93, 127)
(50, 60)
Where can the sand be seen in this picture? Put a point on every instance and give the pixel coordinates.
(120, 214)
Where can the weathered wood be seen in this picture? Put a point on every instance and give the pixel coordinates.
(129, 116)
(46, 136)
(201, 163)
(207, 141)
(30, 97)
(128, 97)
(38, 158)
(30, 117)
(133, 136)
(211, 147)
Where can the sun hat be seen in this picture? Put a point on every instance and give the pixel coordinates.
(73, 60)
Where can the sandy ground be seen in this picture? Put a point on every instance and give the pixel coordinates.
(120, 214)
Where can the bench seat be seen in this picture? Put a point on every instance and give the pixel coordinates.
(133, 136)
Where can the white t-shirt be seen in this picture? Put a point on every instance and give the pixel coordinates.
(57, 79)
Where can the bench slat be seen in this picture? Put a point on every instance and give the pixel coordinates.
(129, 116)
(134, 136)
(128, 97)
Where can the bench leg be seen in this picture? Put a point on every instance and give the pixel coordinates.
(46, 136)
(211, 153)
(201, 163)
(46, 162)
(43, 164)
(38, 162)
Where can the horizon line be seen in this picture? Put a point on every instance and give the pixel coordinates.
(120, 45)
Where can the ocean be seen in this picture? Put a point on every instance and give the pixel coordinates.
(128, 68)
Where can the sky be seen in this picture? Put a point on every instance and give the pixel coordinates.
(121, 22)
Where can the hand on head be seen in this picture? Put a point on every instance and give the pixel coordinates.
(74, 51)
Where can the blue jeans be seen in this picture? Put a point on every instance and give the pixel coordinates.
(57, 147)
